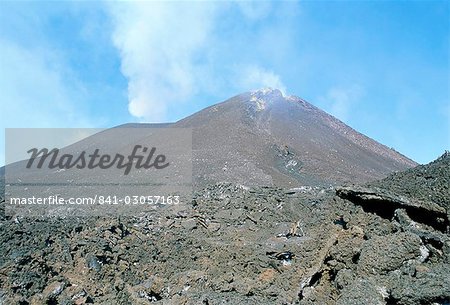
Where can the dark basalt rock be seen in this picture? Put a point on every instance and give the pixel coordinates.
(384, 203)
(235, 244)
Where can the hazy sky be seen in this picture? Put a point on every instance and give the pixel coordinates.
(380, 66)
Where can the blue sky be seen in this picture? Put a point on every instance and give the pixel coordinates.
(382, 67)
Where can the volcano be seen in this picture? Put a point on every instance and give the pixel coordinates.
(266, 138)
(263, 138)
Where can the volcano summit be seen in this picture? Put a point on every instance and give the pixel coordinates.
(266, 138)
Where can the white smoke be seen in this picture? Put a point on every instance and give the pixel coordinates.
(255, 77)
(158, 43)
(165, 50)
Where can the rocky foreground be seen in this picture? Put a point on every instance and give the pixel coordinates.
(383, 243)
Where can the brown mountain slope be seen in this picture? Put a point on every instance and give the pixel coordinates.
(265, 138)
